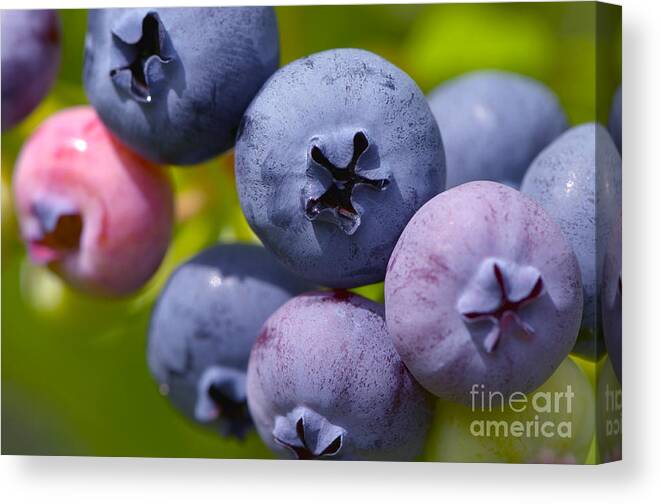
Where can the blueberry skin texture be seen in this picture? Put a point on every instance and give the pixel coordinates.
(482, 289)
(325, 359)
(615, 119)
(90, 209)
(344, 107)
(204, 325)
(494, 124)
(611, 296)
(578, 181)
(206, 65)
(30, 60)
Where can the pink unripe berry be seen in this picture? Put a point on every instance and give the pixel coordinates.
(89, 208)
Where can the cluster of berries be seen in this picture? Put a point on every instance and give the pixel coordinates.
(496, 229)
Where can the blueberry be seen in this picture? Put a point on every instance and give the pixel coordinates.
(204, 324)
(174, 83)
(90, 209)
(482, 289)
(324, 381)
(30, 60)
(611, 295)
(577, 179)
(334, 156)
(494, 124)
(615, 119)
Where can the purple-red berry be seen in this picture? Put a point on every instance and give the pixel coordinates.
(324, 381)
(30, 60)
(482, 289)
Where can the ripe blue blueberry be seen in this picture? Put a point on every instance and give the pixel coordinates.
(482, 289)
(203, 327)
(577, 179)
(174, 83)
(30, 60)
(494, 124)
(333, 157)
(615, 119)
(324, 381)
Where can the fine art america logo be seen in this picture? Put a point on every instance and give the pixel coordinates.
(533, 414)
(613, 415)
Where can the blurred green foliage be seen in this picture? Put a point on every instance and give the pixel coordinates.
(74, 378)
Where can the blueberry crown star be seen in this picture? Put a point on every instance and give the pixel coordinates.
(141, 50)
(497, 293)
(308, 435)
(335, 203)
(221, 398)
(60, 226)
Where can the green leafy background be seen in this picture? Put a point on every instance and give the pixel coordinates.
(74, 378)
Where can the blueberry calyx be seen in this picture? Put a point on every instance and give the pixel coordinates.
(308, 435)
(141, 50)
(497, 293)
(221, 395)
(58, 230)
(335, 204)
